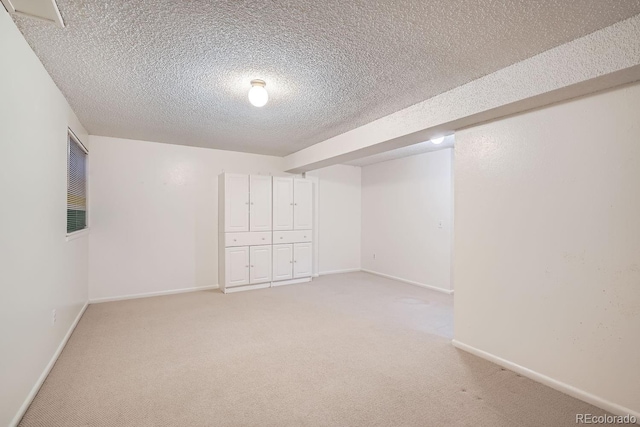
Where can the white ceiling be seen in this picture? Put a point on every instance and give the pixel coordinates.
(179, 71)
(398, 153)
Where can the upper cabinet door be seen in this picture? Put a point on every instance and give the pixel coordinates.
(302, 260)
(260, 257)
(282, 203)
(260, 203)
(303, 204)
(236, 202)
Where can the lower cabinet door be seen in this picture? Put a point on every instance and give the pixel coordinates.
(282, 262)
(301, 260)
(260, 258)
(237, 266)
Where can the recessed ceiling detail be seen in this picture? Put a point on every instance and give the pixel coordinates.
(179, 72)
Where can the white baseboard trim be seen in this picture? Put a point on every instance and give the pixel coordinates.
(291, 282)
(152, 294)
(32, 394)
(232, 289)
(572, 391)
(347, 270)
(422, 285)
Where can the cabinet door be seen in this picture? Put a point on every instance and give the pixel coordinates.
(260, 262)
(236, 202)
(301, 260)
(282, 203)
(302, 204)
(237, 266)
(282, 262)
(260, 203)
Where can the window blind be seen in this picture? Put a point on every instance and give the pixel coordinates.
(76, 185)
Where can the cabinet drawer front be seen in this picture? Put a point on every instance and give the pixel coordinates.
(247, 239)
(291, 236)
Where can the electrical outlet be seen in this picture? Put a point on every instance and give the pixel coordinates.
(53, 317)
(441, 224)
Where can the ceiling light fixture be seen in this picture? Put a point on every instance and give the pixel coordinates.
(437, 140)
(258, 95)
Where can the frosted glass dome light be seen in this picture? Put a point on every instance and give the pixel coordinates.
(258, 95)
(437, 140)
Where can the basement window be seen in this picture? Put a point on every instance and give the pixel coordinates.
(76, 184)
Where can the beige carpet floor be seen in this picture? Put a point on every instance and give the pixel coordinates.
(345, 350)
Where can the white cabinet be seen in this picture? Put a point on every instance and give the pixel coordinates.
(291, 261)
(282, 203)
(282, 262)
(245, 203)
(237, 266)
(294, 236)
(234, 198)
(265, 231)
(292, 204)
(260, 264)
(301, 260)
(246, 265)
(302, 204)
(260, 203)
(252, 238)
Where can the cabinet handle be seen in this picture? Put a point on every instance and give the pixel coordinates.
(234, 240)
(290, 262)
(291, 204)
(247, 266)
(280, 237)
(295, 204)
(295, 261)
(251, 203)
(252, 266)
(263, 238)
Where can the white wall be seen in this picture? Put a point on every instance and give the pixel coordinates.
(403, 202)
(154, 214)
(39, 270)
(547, 243)
(339, 204)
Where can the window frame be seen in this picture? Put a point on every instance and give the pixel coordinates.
(73, 138)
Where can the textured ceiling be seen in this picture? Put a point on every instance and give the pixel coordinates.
(179, 71)
(398, 153)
